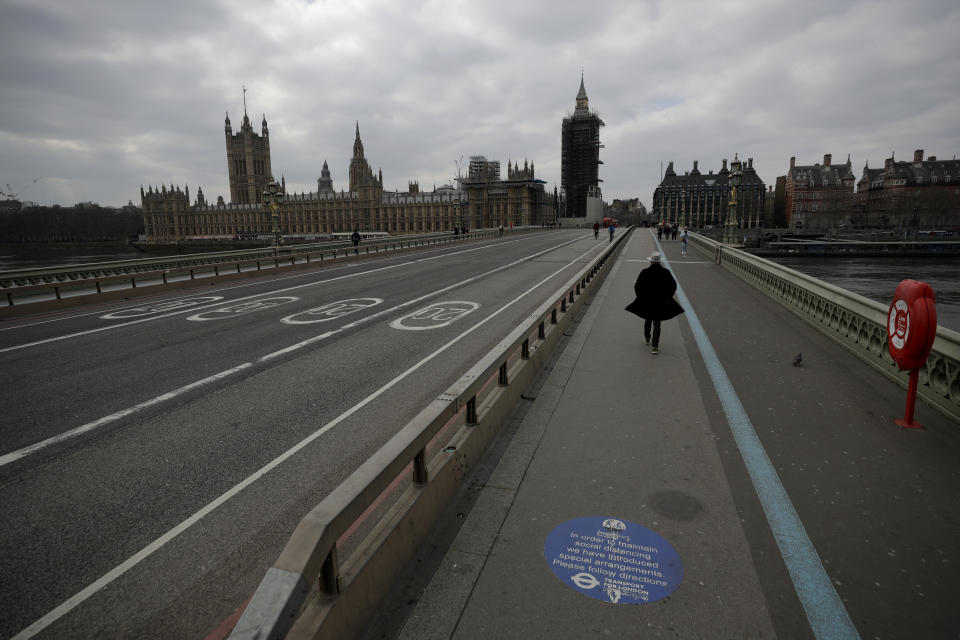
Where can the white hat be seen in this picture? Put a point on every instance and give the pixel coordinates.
(654, 257)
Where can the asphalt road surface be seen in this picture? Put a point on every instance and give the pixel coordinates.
(156, 454)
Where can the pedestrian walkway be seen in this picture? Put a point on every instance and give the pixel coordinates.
(711, 491)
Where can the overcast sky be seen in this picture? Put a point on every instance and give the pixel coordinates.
(100, 97)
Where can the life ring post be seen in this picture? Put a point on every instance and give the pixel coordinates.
(907, 422)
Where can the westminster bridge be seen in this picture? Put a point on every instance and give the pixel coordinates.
(410, 442)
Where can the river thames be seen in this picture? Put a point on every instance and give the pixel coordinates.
(877, 278)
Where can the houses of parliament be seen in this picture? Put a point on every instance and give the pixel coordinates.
(481, 199)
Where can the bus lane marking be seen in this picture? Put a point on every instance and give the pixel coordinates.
(436, 315)
(159, 307)
(331, 311)
(234, 310)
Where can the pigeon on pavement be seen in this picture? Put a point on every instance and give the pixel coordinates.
(797, 359)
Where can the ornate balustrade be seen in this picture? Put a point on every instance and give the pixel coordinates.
(857, 323)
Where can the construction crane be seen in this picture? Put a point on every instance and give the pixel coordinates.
(13, 196)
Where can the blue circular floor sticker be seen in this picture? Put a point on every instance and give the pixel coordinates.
(613, 560)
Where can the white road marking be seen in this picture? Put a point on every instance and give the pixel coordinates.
(280, 279)
(434, 316)
(158, 307)
(408, 303)
(182, 311)
(22, 453)
(332, 311)
(242, 309)
(78, 598)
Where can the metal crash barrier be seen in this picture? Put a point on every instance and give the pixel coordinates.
(310, 592)
(37, 289)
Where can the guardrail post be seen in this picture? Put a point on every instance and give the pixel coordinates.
(553, 316)
(471, 418)
(56, 290)
(571, 296)
(191, 272)
(541, 332)
(420, 468)
(10, 298)
(563, 305)
(525, 349)
(330, 573)
(577, 289)
(503, 379)
(98, 287)
(216, 270)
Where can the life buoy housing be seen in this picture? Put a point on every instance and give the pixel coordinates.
(911, 324)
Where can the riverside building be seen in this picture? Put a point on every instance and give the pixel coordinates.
(699, 200)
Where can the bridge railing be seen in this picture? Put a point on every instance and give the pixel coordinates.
(856, 322)
(87, 282)
(310, 592)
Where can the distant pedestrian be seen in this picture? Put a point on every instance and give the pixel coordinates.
(683, 242)
(596, 230)
(659, 232)
(500, 230)
(674, 231)
(654, 303)
(612, 228)
(356, 241)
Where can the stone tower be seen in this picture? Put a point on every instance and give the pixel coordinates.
(325, 182)
(580, 155)
(248, 160)
(361, 175)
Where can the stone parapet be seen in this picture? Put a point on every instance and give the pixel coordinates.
(856, 322)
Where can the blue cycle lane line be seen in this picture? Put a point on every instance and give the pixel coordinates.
(825, 612)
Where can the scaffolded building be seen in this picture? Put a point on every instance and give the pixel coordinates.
(580, 155)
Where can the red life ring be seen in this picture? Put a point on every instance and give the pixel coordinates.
(911, 324)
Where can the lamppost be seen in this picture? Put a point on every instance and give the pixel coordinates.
(730, 229)
(683, 207)
(273, 196)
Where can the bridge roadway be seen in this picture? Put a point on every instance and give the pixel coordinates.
(156, 454)
(867, 519)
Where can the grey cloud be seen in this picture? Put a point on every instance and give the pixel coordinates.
(101, 97)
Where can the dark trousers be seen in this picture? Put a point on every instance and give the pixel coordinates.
(655, 339)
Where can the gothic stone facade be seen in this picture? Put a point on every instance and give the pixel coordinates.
(703, 200)
(483, 202)
(580, 155)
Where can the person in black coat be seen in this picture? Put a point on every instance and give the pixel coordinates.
(654, 289)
